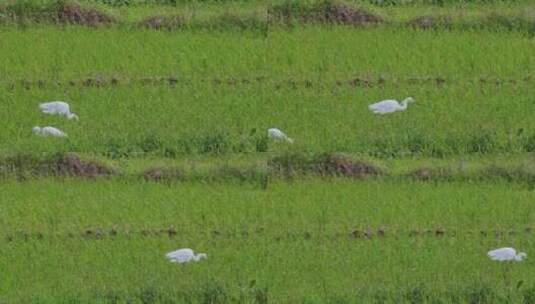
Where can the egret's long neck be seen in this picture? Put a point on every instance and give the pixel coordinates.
(404, 104)
(197, 257)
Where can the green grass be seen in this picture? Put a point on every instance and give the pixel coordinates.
(197, 101)
(194, 119)
(262, 17)
(304, 53)
(52, 206)
(299, 81)
(293, 239)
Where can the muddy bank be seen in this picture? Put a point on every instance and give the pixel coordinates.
(357, 234)
(261, 172)
(54, 12)
(60, 165)
(322, 165)
(293, 84)
(73, 13)
(323, 12)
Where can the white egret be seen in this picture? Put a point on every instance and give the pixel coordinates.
(506, 254)
(185, 255)
(278, 135)
(49, 131)
(390, 106)
(57, 108)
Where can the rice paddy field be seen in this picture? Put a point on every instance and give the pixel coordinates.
(171, 151)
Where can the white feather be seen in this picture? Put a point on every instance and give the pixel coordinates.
(185, 255)
(390, 106)
(506, 254)
(57, 108)
(49, 131)
(278, 135)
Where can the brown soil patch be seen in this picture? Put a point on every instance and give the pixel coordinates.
(323, 165)
(519, 174)
(75, 14)
(102, 233)
(324, 12)
(94, 82)
(162, 22)
(72, 165)
(343, 14)
(428, 174)
(422, 174)
(26, 166)
(361, 81)
(341, 165)
(162, 174)
(172, 80)
(430, 22)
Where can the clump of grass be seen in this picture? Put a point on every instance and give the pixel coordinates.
(384, 148)
(25, 12)
(231, 173)
(481, 142)
(288, 10)
(260, 295)
(212, 293)
(116, 148)
(528, 143)
(137, 2)
(24, 166)
(416, 295)
(431, 22)
(431, 174)
(149, 295)
(253, 294)
(529, 295)
(418, 143)
(163, 174)
(145, 295)
(520, 174)
(19, 165)
(160, 22)
(289, 164)
(72, 165)
(215, 143)
(151, 143)
(511, 23)
(323, 165)
(327, 11)
(480, 294)
(74, 13)
(261, 144)
(241, 22)
(117, 2)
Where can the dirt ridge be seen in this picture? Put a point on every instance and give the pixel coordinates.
(359, 81)
(383, 232)
(61, 165)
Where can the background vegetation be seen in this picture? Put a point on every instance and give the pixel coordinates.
(171, 151)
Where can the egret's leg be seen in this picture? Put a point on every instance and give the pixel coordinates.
(507, 274)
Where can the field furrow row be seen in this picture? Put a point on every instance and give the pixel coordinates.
(365, 82)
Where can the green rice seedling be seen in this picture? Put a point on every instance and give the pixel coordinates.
(201, 119)
(171, 151)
